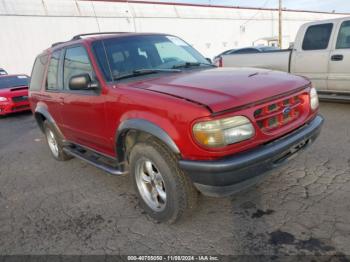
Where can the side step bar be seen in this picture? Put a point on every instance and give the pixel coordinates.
(334, 97)
(93, 160)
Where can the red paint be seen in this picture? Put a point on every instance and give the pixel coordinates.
(10, 93)
(175, 103)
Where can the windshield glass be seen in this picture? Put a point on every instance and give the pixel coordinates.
(13, 81)
(127, 54)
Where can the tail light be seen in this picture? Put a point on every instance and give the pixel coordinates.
(219, 62)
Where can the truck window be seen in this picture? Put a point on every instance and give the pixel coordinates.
(317, 37)
(343, 40)
(38, 73)
(76, 62)
(52, 71)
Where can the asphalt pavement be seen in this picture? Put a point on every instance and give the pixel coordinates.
(51, 207)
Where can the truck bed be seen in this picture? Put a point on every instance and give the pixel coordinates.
(275, 60)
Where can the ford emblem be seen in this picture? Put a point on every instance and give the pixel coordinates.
(286, 110)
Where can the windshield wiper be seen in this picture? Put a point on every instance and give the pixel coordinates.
(145, 71)
(191, 64)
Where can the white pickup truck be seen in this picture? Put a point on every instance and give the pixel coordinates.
(321, 52)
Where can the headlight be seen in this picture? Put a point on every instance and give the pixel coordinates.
(313, 99)
(223, 132)
(3, 99)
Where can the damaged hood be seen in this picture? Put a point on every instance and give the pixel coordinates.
(223, 88)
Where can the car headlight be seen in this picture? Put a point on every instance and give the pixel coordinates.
(3, 99)
(313, 99)
(223, 132)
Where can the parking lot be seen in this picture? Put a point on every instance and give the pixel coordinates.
(50, 207)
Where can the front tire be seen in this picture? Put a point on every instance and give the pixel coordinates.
(55, 144)
(164, 191)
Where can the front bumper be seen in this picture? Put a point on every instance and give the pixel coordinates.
(235, 173)
(11, 107)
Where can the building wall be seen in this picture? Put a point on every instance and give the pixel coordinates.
(30, 26)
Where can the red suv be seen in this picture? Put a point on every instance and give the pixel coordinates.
(13, 94)
(152, 106)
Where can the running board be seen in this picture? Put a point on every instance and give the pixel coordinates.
(334, 97)
(93, 160)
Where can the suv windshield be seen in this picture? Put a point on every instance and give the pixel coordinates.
(123, 56)
(13, 81)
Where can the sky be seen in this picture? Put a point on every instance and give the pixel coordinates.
(340, 6)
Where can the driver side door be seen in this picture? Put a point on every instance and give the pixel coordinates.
(83, 112)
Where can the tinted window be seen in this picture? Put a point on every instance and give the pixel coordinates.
(13, 81)
(3, 72)
(344, 36)
(38, 72)
(317, 37)
(52, 71)
(76, 62)
(122, 55)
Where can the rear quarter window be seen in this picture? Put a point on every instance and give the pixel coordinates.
(38, 73)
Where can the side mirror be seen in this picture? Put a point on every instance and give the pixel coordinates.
(209, 60)
(82, 82)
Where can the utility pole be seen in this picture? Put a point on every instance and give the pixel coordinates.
(280, 23)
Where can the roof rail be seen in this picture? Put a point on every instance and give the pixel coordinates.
(99, 33)
(58, 43)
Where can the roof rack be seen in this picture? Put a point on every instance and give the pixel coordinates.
(58, 43)
(77, 37)
(99, 33)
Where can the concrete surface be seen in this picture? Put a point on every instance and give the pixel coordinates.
(50, 207)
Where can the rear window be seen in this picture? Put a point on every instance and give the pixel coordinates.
(13, 81)
(317, 37)
(3, 72)
(38, 72)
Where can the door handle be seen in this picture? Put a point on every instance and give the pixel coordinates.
(337, 57)
(61, 100)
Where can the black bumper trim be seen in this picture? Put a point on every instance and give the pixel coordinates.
(248, 165)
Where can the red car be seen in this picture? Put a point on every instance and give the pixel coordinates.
(13, 94)
(151, 106)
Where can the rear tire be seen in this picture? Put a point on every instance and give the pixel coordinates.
(164, 191)
(55, 143)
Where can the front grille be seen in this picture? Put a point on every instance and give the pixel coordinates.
(279, 114)
(18, 99)
(15, 108)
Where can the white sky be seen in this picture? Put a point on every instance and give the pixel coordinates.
(341, 6)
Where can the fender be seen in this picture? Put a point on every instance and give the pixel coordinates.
(147, 127)
(42, 109)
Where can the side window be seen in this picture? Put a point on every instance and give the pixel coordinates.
(343, 40)
(76, 62)
(38, 73)
(52, 71)
(317, 37)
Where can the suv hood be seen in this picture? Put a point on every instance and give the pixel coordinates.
(224, 88)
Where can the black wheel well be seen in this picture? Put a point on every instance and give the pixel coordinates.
(129, 138)
(40, 119)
